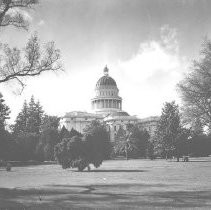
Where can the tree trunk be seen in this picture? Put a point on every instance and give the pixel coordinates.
(81, 168)
(126, 155)
(177, 158)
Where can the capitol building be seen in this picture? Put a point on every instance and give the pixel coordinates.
(107, 108)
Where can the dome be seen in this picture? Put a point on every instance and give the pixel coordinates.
(106, 80)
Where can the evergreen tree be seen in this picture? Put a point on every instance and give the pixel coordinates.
(64, 133)
(21, 122)
(27, 129)
(74, 132)
(31, 127)
(4, 112)
(4, 135)
(35, 117)
(77, 152)
(168, 131)
(39, 116)
(30, 118)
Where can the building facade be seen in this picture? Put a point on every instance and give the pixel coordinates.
(107, 107)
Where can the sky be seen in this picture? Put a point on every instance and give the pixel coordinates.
(148, 46)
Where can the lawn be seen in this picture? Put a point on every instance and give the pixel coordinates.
(120, 184)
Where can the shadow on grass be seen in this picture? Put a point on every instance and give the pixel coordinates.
(118, 196)
(114, 170)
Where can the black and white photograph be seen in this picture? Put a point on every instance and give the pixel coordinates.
(105, 104)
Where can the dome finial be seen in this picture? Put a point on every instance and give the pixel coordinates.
(105, 71)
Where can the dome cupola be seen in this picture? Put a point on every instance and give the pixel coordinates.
(106, 80)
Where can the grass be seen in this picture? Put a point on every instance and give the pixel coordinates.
(120, 184)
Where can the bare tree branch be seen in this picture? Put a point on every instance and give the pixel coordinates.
(9, 15)
(32, 62)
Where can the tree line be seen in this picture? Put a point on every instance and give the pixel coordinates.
(35, 136)
(32, 136)
(173, 138)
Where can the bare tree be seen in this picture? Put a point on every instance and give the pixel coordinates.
(195, 89)
(32, 61)
(10, 12)
(16, 64)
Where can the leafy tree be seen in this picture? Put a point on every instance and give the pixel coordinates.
(141, 140)
(169, 131)
(48, 139)
(98, 139)
(27, 143)
(197, 127)
(124, 144)
(150, 150)
(50, 122)
(61, 153)
(195, 89)
(78, 152)
(200, 145)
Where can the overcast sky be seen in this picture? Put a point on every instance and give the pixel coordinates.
(147, 45)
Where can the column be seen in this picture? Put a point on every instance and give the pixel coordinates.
(101, 103)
